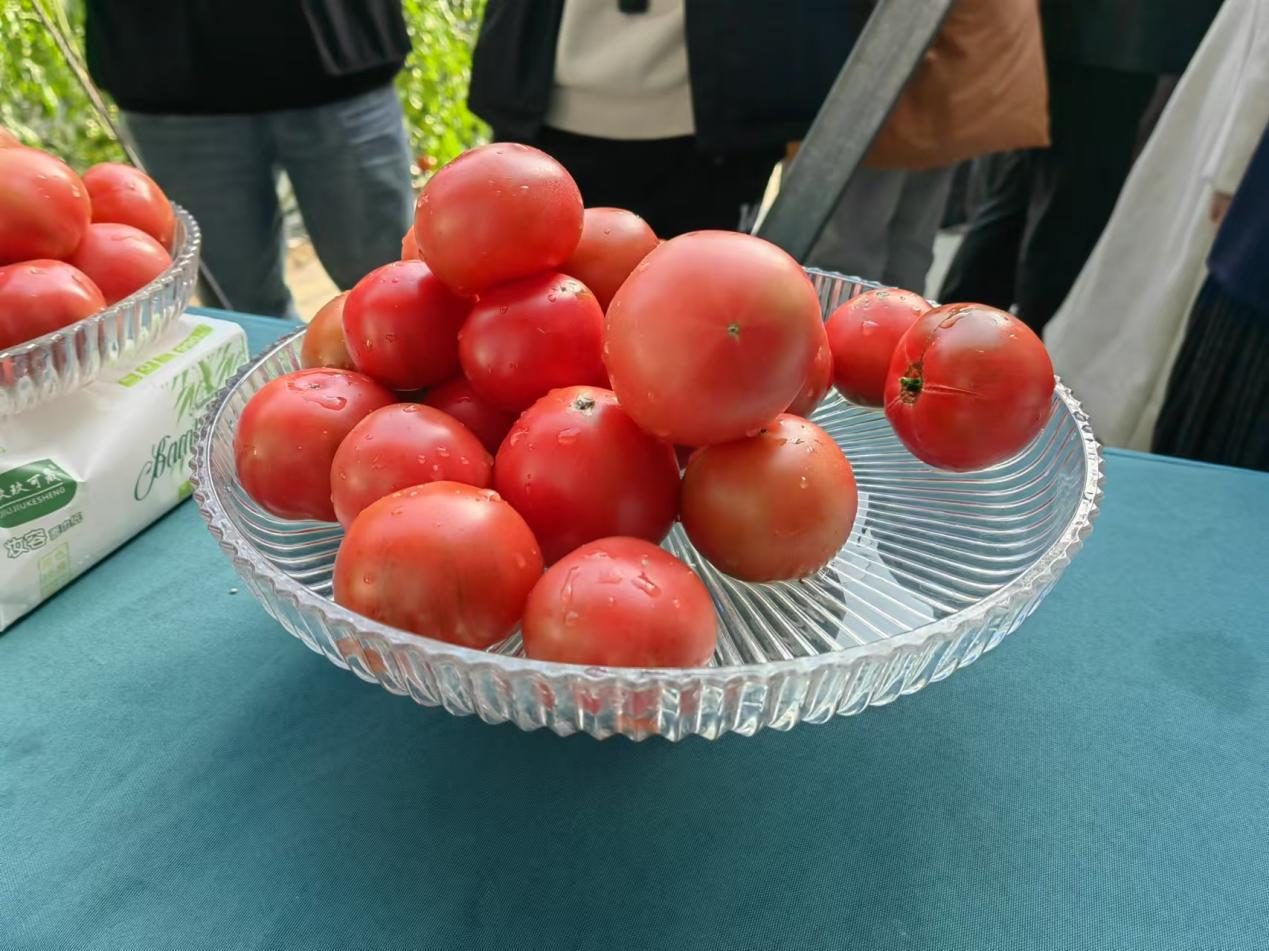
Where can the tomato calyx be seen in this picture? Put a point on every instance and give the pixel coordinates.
(910, 383)
(584, 404)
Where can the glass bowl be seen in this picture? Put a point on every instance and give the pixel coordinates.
(939, 568)
(62, 361)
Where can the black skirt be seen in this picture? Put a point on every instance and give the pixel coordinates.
(1216, 408)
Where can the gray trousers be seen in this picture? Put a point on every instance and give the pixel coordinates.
(348, 161)
(884, 227)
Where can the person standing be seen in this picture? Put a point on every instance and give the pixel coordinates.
(1117, 334)
(1216, 404)
(220, 96)
(675, 109)
(979, 89)
(1028, 239)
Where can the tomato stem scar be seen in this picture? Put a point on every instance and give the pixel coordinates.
(733, 329)
(910, 385)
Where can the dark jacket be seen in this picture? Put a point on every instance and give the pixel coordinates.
(239, 56)
(759, 69)
(1239, 260)
(1156, 37)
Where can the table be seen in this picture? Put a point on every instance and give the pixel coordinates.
(177, 772)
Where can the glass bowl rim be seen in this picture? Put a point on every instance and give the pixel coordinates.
(185, 252)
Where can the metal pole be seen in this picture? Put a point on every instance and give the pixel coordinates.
(889, 49)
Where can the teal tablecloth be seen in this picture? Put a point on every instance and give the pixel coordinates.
(177, 772)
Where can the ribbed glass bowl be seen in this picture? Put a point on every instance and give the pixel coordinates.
(62, 361)
(940, 567)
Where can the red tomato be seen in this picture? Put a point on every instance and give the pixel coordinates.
(443, 560)
(527, 337)
(774, 506)
(38, 297)
(496, 213)
(8, 140)
(288, 434)
(613, 243)
(44, 207)
(324, 344)
(120, 259)
(863, 333)
(409, 249)
(711, 337)
(968, 386)
(399, 446)
(487, 423)
(401, 326)
(578, 468)
(128, 196)
(817, 382)
(620, 602)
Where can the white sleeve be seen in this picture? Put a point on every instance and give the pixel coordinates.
(1248, 109)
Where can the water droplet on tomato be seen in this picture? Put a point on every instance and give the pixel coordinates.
(442, 452)
(867, 328)
(518, 437)
(802, 482)
(410, 408)
(645, 584)
(571, 618)
(568, 436)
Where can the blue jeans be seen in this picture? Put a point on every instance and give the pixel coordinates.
(348, 161)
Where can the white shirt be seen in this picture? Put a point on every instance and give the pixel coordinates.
(622, 75)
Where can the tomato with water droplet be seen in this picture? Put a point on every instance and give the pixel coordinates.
(578, 468)
(775, 506)
(968, 387)
(38, 297)
(711, 337)
(862, 334)
(289, 432)
(324, 344)
(620, 602)
(497, 213)
(401, 326)
(44, 206)
(399, 446)
(528, 337)
(443, 560)
(613, 243)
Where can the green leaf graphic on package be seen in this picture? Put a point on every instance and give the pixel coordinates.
(33, 491)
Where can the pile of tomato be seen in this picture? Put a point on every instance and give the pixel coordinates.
(509, 420)
(72, 246)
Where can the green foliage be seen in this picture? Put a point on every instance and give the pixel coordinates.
(43, 103)
(433, 85)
